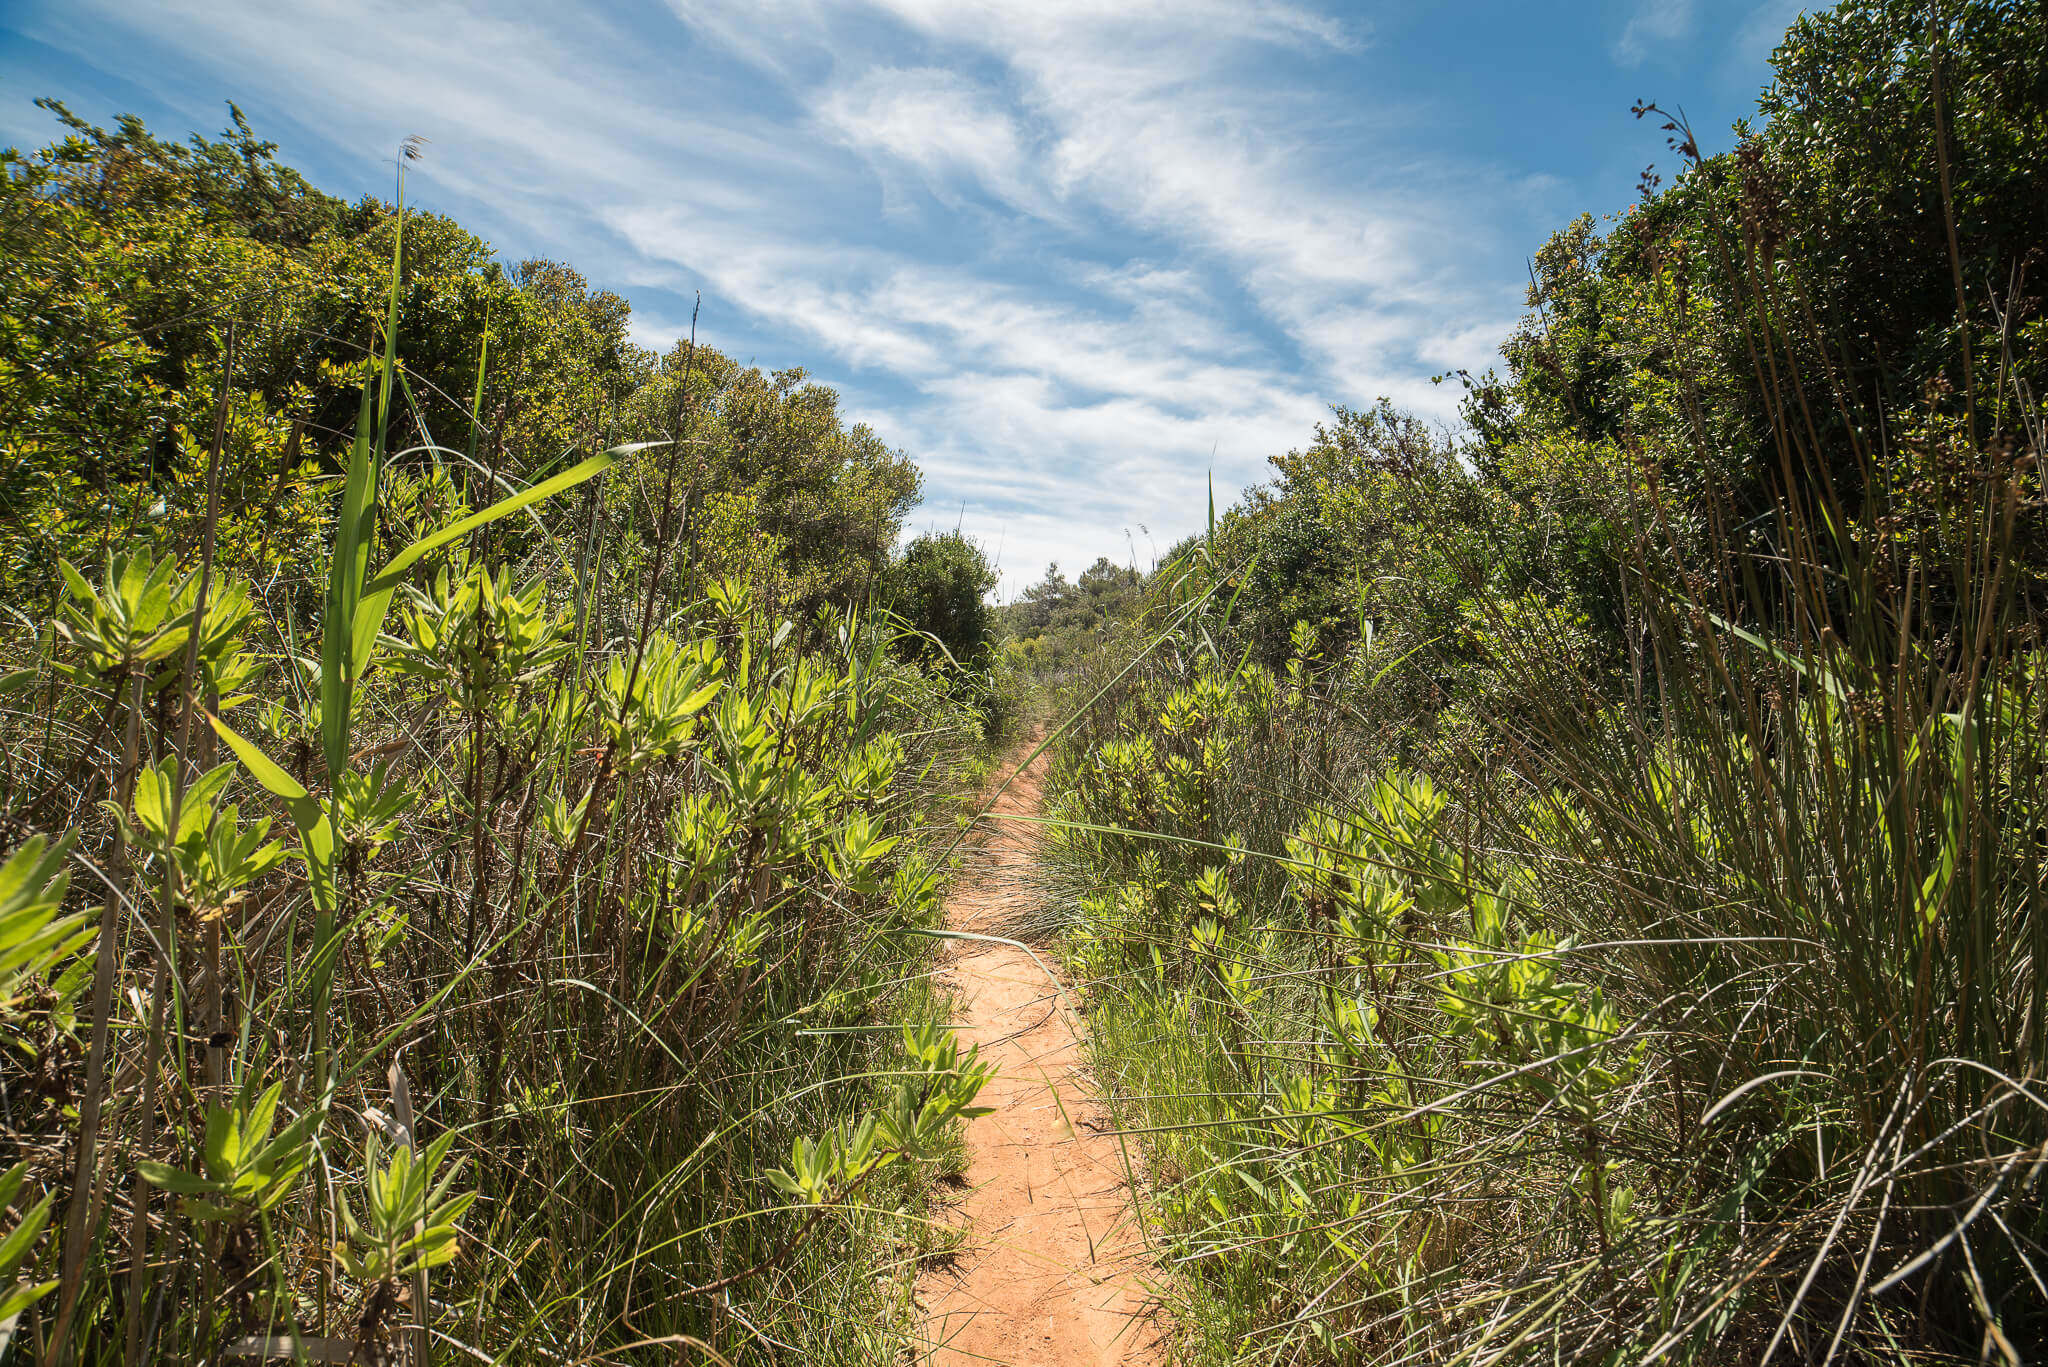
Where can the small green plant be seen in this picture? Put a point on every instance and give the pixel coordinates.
(366, 809)
(250, 1166)
(909, 1125)
(215, 854)
(478, 641)
(409, 1218)
(651, 704)
(140, 614)
(1559, 1041)
(854, 858)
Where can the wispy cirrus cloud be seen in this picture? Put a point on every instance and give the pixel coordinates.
(941, 127)
(1654, 22)
(1248, 286)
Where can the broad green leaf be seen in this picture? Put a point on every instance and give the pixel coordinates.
(256, 1133)
(153, 801)
(174, 1180)
(307, 813)
(195, 811)
(30, 874)
(15, 1247)
(448, 1212)
(223, 1143)
(75, 581)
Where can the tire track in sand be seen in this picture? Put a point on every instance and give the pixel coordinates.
(1050, 1274)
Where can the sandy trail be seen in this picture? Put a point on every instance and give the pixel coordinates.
(1050, 1273)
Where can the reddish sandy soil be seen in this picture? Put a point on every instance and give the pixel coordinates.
(1052, 1271)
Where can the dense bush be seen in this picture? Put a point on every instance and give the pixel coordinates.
(939, 588)
(1057, 619)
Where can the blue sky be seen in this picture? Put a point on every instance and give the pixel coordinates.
(1070, 257)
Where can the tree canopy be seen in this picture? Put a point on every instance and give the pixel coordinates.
(149, 289)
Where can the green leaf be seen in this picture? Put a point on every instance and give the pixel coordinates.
(195, 811)
(153, 800)
(1784, 657)
(306, 811)
(223, 1143)
(17, 1299)
(436, 1246)
(14, 1249)
(316, 833)
(174, 1179)
(75, 581)
(256, 1131)
(448, 1212)
(476, 401)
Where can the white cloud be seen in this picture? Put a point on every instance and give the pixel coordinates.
(942, 126)
(1152, 123)
(1654, 22)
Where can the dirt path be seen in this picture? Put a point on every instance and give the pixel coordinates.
(1050, 1273)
